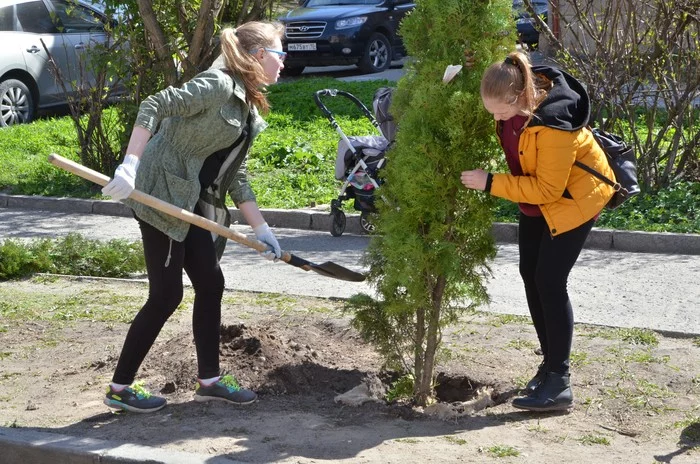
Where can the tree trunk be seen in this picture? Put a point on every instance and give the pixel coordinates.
(158, 42)
(418, 355)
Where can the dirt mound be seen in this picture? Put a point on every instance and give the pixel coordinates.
(298, 358)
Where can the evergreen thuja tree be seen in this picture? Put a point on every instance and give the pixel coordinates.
(429, 257)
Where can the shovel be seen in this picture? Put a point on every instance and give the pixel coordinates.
(327, 269)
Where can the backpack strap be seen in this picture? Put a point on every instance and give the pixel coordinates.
(593, 172)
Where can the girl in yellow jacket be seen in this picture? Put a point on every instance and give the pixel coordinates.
(541, 116)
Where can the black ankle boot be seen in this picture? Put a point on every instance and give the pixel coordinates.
(537, 380)
(553, 394)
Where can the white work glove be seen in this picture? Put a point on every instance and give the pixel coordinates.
(264, 234)
(122, 184)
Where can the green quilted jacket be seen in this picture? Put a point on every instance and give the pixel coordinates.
(188, 124)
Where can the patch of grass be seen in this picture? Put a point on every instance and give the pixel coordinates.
(455, 440)
(645, 356)
(5, 354)
(410, 441)
(8, 375)
(279, 302)
(634, 335)
(537, 428)
(579, 359)
(92, 304)
(593, 439)
(73, 255)
(502, 451)
(504, 319)
(522, 345)
(643, 395)
(639, 336)
(400, 389)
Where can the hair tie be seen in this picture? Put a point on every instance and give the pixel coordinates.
(235, 31)
(510, 60)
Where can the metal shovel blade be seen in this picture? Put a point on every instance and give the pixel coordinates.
(327, 269)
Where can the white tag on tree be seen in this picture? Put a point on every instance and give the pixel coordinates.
(450, 72)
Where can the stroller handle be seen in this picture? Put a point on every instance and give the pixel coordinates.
(335, 93)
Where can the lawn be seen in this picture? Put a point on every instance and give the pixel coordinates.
(291, 164)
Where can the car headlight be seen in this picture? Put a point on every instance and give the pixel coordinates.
(350, 22)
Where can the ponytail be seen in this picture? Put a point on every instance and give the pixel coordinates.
(512, 81)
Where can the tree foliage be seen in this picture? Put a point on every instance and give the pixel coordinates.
(151, 44)
(429, 257)
(639, 60)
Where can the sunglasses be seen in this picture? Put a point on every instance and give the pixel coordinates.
(279, 53)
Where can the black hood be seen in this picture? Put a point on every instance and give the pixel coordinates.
(567, 106)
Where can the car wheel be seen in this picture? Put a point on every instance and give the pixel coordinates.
(293, 71)
(377, 55)
(16, 103)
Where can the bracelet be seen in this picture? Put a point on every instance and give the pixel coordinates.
(489, 181)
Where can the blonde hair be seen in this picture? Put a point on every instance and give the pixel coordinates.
(512, 81)
(236, 47)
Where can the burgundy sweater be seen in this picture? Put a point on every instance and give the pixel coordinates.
(509, 134)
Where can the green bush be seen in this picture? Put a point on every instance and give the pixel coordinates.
(71, 255)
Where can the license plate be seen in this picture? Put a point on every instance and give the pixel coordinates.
(301, 47)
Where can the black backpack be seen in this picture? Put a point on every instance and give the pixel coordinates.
(623, 163)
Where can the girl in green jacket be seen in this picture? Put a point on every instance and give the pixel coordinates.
(188, 148)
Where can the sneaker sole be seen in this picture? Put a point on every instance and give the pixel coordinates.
(125, 407)
(204, 399)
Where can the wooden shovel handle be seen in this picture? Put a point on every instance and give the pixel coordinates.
(165, 207)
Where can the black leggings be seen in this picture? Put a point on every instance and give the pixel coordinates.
(545, 264)
(197, 256)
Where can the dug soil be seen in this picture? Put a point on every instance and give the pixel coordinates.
(637, 392)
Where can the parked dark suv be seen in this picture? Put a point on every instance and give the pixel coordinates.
(527, 32)
(344, 32)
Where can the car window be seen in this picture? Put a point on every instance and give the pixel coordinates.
(76, 18)
(6, 18)
(34, 17)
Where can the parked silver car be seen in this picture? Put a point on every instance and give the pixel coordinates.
(68, 28)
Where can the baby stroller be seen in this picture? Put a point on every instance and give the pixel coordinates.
(359, 158)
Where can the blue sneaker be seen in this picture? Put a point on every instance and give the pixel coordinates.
(134, 398)
(226, 389)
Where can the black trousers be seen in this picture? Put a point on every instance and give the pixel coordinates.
(545, 264)
(165, 260)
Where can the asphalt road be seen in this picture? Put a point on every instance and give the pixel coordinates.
(611, 288)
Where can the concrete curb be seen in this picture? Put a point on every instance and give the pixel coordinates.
(33, 447)
(312, 219)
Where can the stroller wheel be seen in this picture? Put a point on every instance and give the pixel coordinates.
(365, 222)
(337, 223)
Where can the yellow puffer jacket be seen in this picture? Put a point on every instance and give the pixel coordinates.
(567, 195)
